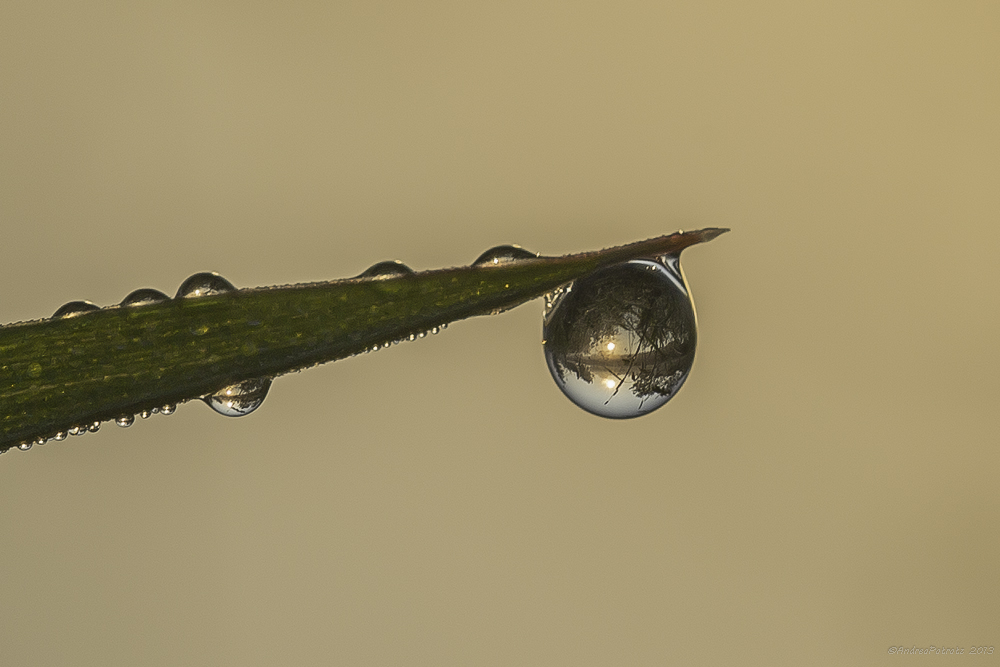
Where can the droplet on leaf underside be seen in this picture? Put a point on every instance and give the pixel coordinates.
(389, 269)
(503, 254)
(621, 341)
(204, 284)
(239, 399)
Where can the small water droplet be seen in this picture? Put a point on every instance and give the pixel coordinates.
(503, 254)
(60, 436)
(75, 309)
(435, 330)
(384, 270)
(621, 341)
(239, 399)
(204, 284)
(125, 420)
(94, 427)
(40, 440)
(167, 409)
(422, 334)
(412, 337)
(144, 297)
(146, 414)
(24, 446)
(77, 430)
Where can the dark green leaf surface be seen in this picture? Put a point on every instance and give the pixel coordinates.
(58, 373)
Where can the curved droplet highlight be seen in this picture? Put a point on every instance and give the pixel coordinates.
(503, 254)
(75, 309)
(144, 297)
(208, 283)
(24, 446)
(389, 269)
(621, 341)
(239, 399)
(168, 409)
(125, 420)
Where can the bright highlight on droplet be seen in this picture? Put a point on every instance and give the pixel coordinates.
(621, 341)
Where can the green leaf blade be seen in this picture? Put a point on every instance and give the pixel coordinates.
(59, 373)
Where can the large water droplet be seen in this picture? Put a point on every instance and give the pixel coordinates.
(144, 297)
(390, 269)
(76, 308)
(204, 284)
(621, 341)
(239, 399)
(503, 254)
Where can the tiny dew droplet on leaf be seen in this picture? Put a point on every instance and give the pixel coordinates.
(75, 308)
(387, 269)
(144, 297)
(204, 284)
(621, 341)
(503, 254)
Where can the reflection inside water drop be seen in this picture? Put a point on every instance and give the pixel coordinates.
(621, 341)
(239, 399)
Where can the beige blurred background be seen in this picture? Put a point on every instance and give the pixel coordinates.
(824, 487)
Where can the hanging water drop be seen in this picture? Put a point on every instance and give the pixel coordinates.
(24, 446)
(167, 409)
(146, 414)
(204, 284)
(144, 297)
(621, 341)
(75, 308)
(125, 420)
(503, 254)
(239, 399)
(385, 270)
(94, 427)
(40, 440)
(60, 436)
